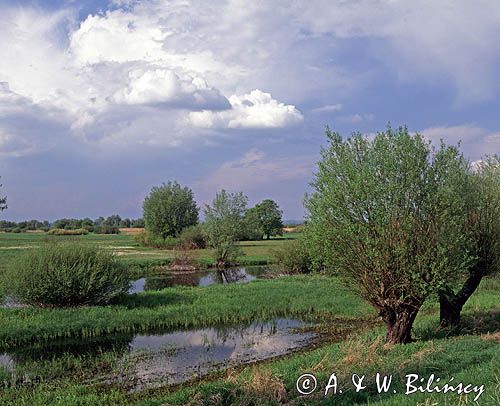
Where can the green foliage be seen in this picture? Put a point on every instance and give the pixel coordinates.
(61, 231)
(193, 237)
(181, 306)
(106, 229)
(252, 228)
(293, 257)
(262, 220)
(146, 239)
(169, 209)
(224, 225)
(65, 275)
(482, 229)
(484, 220)
(270, 218)
(387, 213)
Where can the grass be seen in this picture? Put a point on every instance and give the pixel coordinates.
(469, 354)
(139, 259)
(184, 307)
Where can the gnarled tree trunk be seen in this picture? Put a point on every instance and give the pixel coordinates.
(451, 303)
(399, 322)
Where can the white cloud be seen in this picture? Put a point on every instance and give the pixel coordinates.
(117, 68)
(165, 86)
(475, 141)
(253, 110)
(329, 108)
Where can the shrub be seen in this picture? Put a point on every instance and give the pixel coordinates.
(65, 275)
(146, 239)
(293, 257)
(60, 231)
(16, 230)
(193, 237)
(105, 229)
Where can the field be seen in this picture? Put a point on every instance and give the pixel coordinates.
(351, 340)
(137, 257)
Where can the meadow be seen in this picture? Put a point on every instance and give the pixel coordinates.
(351, 339)
(139, 258)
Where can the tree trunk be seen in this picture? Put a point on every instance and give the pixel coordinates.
(451, 304)
(449, 311)
(399, 322)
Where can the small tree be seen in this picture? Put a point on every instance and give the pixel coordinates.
(387, 215)
(483, 229)
(224, 225)
(169, 209)
(270, 218)
(3, 202)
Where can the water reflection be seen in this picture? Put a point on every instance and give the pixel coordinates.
(180, 356)
(206, 278)
(176, 356)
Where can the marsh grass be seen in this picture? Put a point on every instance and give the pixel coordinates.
(471, 355)
(185, 307)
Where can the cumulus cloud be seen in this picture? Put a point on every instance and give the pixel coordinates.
(184, 59)
(253, 110)
(160, 86)
(475, 141)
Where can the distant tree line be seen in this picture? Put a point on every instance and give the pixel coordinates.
(103, 225)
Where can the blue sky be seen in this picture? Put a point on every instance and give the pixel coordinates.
(101, 101)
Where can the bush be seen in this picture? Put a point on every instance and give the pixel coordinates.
(293, 257)
(193, 237)
(65, 275)
(146, 239)
(104, 229)
(16, 230)
(60, 231)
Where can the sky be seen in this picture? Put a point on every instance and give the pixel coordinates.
(102, 100)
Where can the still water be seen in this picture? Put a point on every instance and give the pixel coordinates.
(205, 278)
(163, 358)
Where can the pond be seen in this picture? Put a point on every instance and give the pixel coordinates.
(198, 278)
(165, 358)
(203, 278)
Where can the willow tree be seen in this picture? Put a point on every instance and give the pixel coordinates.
(483, 229)
(169, 209)
(224, 224)
(386, 214)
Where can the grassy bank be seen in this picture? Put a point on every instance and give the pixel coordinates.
(185, 307)
(470, 355)
(140, 260)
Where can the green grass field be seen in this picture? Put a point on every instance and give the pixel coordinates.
(353, 341)
(130, 252)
